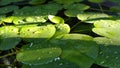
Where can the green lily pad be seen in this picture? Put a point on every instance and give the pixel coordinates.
(74, 9)
(41, 56)
(107, 28)
(37, 33)
(76, 46)
(90, 17)
(67, 1)
(107, 41)
(78, 42)
(55, 19)
(37, 2)
(62, 29)
(96, 1)
(76, 57)
(9, 37)
(5, 2)
(57, 63)
(7, 9)
(109, 56)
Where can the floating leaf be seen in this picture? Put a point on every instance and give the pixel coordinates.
(37, 2)
(55, 19)
(76, 46)
(107, 28)
(74, 9)
(107, 41)
(57, 63)
(90, 17)
(5, 2)
(76, 57)
(10, 35)
(41, 56)
(67, 1)
(96, 1)
(109, 56)
(37, 33)
(7, 9)
(62, 29)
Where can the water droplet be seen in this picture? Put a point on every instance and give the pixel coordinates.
(116, 57)
(50, 52)
(115, 52)
(61, 64)
(107, 57)
(58, 58)
(31, 44)
(39, 58)
(101, 52)
(102, 62)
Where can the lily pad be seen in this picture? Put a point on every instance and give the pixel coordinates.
(107, 28)
(5, 2)
(7, 9)
(57, 63)
(37, 2)
(62, 29)
(109, 56)
(96, 1)
(55, 19)
(74, 9)
(9, 37)
(67, 1)
(41, 56)
(90, 17)
(76, 46)
(37, 33)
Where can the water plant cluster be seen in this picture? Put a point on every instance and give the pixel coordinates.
(59, 33)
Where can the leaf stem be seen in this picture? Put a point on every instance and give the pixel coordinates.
(8, 54)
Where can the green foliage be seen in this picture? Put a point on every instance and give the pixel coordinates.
(59, 33)
(9, 37)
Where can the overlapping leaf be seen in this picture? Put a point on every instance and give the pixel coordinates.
(37, 33)
(9, 37)
(74, 9)
(109, 55)
(107, 28)
(90, 17)
(67, 1)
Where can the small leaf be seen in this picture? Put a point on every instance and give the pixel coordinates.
(62, 29)
(41, 56)
(7, 9)
(37, 33)
(10, 35)
(90, 17)
(74, 9)
(5, 2)
(107, 28)
(67, 1)
(55, 19)
(96, 1)
(37, 2)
